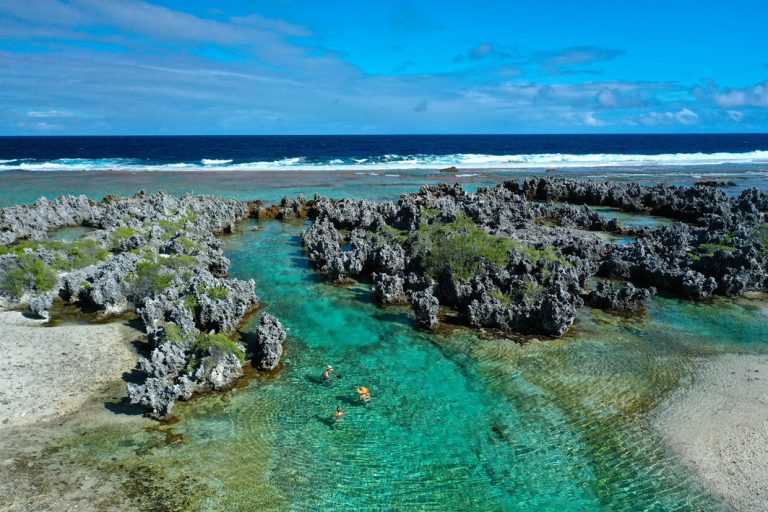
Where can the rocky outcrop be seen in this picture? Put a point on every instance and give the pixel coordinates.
(174, 373)
(625, 298)
(153, 253)
(270, 336)
(425, 307)
(519, 257)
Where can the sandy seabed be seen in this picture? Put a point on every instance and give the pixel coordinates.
(55, 381)
(51, 371)
(718, 429)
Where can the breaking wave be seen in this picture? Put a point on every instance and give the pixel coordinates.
(391, 162)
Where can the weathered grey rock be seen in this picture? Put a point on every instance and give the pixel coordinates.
(625, 298)
(389, 289)
(425, 306)
(270, 336)
(41, 305)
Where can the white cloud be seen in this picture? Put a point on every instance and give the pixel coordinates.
(50, 113)
(756, 96)
(607, 98)
(589, 119)
(683, 116)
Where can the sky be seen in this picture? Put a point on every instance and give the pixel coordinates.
(370, 67)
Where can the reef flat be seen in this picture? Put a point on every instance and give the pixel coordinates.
(522, 257)
(488, 423)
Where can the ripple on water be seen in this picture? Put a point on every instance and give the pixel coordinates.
(457, 421)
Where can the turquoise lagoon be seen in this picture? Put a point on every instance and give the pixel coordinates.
(459, 420)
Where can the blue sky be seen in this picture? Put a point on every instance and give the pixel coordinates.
(306, 67)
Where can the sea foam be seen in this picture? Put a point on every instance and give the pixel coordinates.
(392, 162)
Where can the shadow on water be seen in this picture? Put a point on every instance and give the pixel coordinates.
(125, 407)
(327, 421)
(134, 376)
(349, 401)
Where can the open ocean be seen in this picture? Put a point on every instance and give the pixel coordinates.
(386, 152)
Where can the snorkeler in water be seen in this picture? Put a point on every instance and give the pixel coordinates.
(364, 394)
(339, 414)
(328, 375)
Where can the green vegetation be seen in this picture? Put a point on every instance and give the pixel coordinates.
(217, 293)
(65, 255)
(461, 247)
(173, 333)
(531, 293)
(711, 249)
(204, 342)
(151, 277)
(187, 244)
(32, 274)
(387, 235)
(170, 228)
(191, 303)
(80, 254)
(178, 262)
(504, 299)
(761, 236)
(120, 234)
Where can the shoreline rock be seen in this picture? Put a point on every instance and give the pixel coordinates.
(152, 253)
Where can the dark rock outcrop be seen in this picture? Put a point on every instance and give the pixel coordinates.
(548, 248)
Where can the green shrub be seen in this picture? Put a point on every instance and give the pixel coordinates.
(173, 333)
(217, 293)
(188, 245)
(151, 277)
(170, 228)
(32, 274)
(178, 262)
(80, 254)
(504, 299)
(710, 249)
(459, 246)
(761, 236)
(120, 234)
(191, 303)
(204, 342)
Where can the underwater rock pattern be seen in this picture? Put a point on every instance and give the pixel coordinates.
(510, 258)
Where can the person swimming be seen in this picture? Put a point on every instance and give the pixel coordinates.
(328, 374)
(339, 414)
(364, 394)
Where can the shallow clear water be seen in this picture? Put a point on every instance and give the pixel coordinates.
(458, 421)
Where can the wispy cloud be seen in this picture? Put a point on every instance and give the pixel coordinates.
(111, 66)
(50, 113)
(756, 96)
(683, 116)
(482, 51)
(567, 59)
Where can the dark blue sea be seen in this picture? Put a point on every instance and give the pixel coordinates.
(364, 167)
(386, 152)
